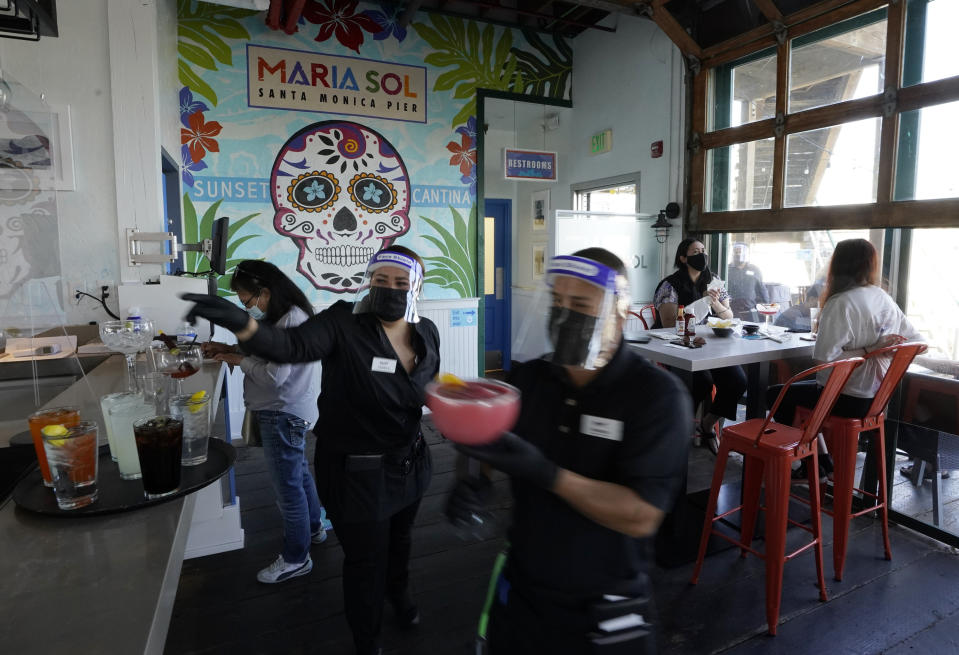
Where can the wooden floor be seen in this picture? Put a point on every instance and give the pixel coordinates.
(908, 605)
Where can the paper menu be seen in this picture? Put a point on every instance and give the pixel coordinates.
(21, 349)
(700, 308)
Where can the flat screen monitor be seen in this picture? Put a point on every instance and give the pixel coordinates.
(220, 236)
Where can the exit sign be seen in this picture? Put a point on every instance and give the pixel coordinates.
(601, 142)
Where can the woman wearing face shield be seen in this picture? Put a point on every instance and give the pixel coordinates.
(372, 463)
(692, 281)
(596, 458)
(281, 399)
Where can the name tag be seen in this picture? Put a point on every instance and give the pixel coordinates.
(605, 428)
(383, 365)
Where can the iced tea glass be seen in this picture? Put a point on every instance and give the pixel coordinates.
(159, 442)
(65, 416)
(195, 414)
(73, 465)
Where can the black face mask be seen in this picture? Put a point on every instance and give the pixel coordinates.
(570, 333)
(388, 304)
(698, 261)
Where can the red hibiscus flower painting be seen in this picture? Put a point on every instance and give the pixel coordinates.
(199, 136)
(464, 155)
(339, 18)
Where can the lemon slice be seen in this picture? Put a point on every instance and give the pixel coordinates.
(174, 351)
(195, 403)
(449, 378)
(55, 431)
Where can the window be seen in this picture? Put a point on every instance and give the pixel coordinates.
(786, 131)
(932, 300)
(790, 266)
(616, 198)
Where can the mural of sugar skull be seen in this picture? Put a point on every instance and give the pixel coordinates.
(342, 193)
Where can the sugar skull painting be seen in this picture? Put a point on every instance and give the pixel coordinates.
(341, 192)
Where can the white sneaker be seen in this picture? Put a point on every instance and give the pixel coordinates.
(319, 536)
(280, 570)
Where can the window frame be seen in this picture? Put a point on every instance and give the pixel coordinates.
(896, 166)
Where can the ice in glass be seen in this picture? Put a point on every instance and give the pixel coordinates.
(124, 409)
(194, 411)
(72, 457)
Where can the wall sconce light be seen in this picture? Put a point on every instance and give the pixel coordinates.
(662, 226)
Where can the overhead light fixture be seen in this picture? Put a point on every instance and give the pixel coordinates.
(662, 226)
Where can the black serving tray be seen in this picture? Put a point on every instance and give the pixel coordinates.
(118, 495)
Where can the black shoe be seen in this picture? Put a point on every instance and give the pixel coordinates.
(708, 439)
(407, 614)
(926, 475)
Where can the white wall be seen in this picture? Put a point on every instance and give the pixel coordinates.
(73, 69)
(630, 81)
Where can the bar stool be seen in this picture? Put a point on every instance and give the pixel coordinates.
(842, 440)
(639, 315)
(769, 450)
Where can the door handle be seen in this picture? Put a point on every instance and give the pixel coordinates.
(499, 282)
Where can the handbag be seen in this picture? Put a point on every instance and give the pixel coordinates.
(251, 430)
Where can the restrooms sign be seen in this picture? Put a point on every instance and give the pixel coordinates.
(310, 81)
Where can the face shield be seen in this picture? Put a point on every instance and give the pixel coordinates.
(390, 287)
(583, 304)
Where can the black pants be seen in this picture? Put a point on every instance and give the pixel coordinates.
(730, 385)
(375, 566)
(806, 394)
(525, 625)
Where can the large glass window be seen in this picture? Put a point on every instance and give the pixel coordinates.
(930, 139)
(833, 165)
(620, 198)
(787, 268)
(741, 176)
(744, 91)
(930, 41)
(932, 296)
(841, 63)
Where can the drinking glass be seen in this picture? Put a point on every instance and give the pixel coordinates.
(159, 442)
(73, 465)
(195, 414)
(180, 362)
(124, 409)
(155, 389)
(128, 337)
(768, 310)
(65, 416)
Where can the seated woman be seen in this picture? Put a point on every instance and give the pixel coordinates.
(689, 283)
(856, 318)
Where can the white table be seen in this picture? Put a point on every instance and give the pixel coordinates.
(753, 354)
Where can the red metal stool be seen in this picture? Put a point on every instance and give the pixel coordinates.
(639, 315)
(842, 440)
(769, 450)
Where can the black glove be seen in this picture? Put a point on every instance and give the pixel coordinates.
(217, 310)
(466, 505)
(517, 458)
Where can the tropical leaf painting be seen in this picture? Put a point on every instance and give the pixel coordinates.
(455, 266)
(477, 61)
(201, 33)
(195, 230)
(550, 75)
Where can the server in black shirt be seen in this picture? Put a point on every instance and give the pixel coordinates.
(596, 459)
(372, 464)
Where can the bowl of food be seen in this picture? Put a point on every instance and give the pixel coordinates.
(722, 327)
(750, 328)
(472, 412)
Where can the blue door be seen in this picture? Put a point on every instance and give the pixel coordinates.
(496, 282)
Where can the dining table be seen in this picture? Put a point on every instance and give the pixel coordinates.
(753, 353)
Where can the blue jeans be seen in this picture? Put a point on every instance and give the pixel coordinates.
(284, 442)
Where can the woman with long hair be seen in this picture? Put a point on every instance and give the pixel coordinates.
(692, 281)
(282, 400)
(372, 463)
(856, 317)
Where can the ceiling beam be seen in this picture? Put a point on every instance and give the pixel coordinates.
(770, 10)
(664, 20)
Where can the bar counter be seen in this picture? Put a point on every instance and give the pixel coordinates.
(98, 584)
